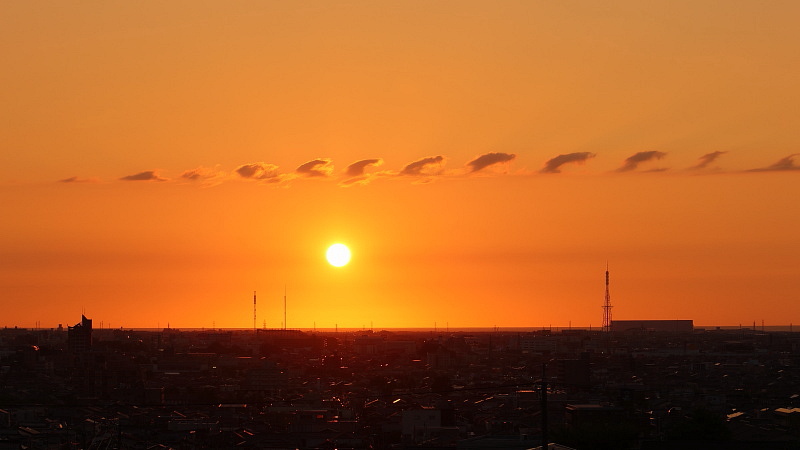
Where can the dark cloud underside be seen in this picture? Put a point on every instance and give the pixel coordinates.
(489, 159)
(421, 167)
(632, 162)
(554, 164)
(148, 175)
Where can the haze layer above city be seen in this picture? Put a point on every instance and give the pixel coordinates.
(483, 163)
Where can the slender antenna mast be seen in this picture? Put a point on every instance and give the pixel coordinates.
(284, 306)
(607, 306)
(254, 311)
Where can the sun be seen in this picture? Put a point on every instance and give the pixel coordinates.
(338, 255)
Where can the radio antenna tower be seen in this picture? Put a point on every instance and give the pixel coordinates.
(284, 306)
(607, 307)
(254, 311)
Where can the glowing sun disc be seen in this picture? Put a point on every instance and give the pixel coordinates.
(338, 255)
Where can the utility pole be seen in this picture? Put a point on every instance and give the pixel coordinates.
(545, 439)
(284, 306)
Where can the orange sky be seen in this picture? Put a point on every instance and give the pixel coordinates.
(160, 162)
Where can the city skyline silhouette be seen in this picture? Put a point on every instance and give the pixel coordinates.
(400, 225)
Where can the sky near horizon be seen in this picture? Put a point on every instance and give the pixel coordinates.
(484, 161)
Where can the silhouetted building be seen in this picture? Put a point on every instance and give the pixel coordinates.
(575, 373)
(79, 337)
(653, 325)
(581, 414)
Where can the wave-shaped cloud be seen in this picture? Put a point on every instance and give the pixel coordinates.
(553, 165)
(148, 175)
(357, 168)
(259, 171)
(782, 165)
(79, 180)
(705, 160)
(429, 166)
(423, 170)
(316, 168)
(355, 174)
(489, 159)
(632, 162)
(205, 175)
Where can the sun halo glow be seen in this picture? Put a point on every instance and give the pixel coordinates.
(338, 255)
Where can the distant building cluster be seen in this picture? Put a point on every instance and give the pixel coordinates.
(673, 326)
(651, 385)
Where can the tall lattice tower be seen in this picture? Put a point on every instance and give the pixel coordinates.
(607, 306)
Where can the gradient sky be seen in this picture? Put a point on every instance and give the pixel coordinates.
(160, 161)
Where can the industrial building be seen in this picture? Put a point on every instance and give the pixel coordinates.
(675, 326)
